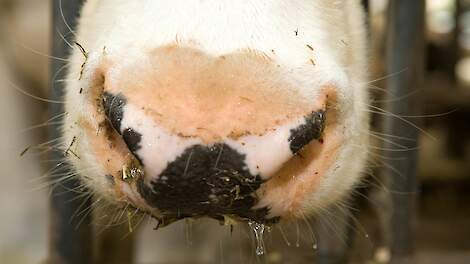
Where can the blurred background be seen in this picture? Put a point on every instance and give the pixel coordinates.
(442, 231)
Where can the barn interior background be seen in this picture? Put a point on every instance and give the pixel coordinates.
(442, 229)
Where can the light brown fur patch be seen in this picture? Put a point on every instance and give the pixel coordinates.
(193, 94)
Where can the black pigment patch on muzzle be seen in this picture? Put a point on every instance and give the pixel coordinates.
(305, 133)
(205, 181)
(114, 111)
(132, 139)
(114, 108)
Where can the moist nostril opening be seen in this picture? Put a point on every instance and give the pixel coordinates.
(133, 139)
(114, 109)
(311, 129)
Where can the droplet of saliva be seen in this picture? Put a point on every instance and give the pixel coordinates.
(258, 230)
(284, 237)
(315, 246)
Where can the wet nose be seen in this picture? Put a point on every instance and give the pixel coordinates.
(187, 176)
(209, 130)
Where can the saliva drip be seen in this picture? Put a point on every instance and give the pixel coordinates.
(258, 230)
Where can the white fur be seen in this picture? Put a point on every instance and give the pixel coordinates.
(159, 147)
(335, 30)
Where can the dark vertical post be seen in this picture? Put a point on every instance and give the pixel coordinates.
(70, 237)
(405, 61)
(365, 4)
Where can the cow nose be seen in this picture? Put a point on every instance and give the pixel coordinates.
(187, 176)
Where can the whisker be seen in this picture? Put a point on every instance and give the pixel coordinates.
(56, 74)
(284, 236)
(381, 111)
(314, 238)
(391, 136)
(63, 38)
(32, 95)
(42, 54)
(388, 141)
(45, 124)
(65, 20)
(397, 98)
(387, 149)
(84, 217)
(386, 76)
(85, 200)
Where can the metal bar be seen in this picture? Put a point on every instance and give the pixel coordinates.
(405, 62)
(70, 237)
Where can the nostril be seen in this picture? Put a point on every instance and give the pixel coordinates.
(310, 130)
(114, 109)
(133, 140)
